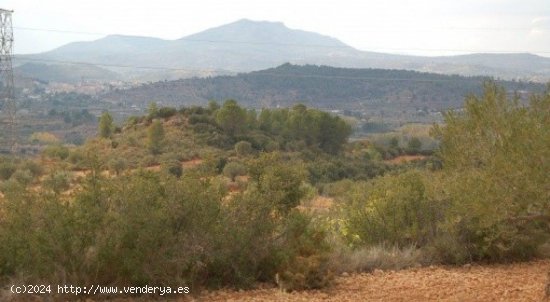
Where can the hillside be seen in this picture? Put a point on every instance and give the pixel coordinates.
(506, 66)
(65, 73)
(318, 86)
(223, 197)
(247, 45)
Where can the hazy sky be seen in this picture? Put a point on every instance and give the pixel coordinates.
(426, 27)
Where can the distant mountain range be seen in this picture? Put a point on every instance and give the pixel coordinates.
(247, 45)
(319, 86)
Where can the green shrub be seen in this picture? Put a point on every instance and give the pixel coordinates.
(234, 169)
(106, 126)
(118, 165)
(149, 160)
(271, 146)
(132, 121)
(305, 273)
(243, 148)
(332, 169)
(304, 255)
(145, 228)
(33, 235)
(33, 167)
(219, 140)
(392, 211)
(114, 144)
(195, 119)
(495, 155)
(337, 189)
(24, 177)
(58, 151)
(57, 182)
(172, 167)
(283, 184)
(155, 137)
(166, 112)
(6, 170)
(44, 138)
(414, 146)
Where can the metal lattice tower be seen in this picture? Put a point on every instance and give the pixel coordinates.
(7, 92)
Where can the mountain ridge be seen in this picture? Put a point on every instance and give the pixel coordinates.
(246, 45)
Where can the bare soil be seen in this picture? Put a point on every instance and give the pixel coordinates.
(191, 163)
(405, 159)
(511, 282)
(317, 204)
(484, 283)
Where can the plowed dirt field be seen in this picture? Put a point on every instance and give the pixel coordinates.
(511, 282)
(484, 283)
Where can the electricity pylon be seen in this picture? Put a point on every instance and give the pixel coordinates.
(7, 92)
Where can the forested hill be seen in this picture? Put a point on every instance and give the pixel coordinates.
(319, 86)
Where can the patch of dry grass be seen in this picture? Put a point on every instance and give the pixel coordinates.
(368, 259)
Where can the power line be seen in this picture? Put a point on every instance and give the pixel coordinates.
(187, 39)
(470, 51)
(60, 31)
(302, 44)
(370, 29)
(116, 65)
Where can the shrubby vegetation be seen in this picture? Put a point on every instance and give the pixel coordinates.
(223, 196)
(488, 203)
(123, 221)
(73, 117)
(497, 155)
(155, 137)
(57, 150)
(394, 210)
(148, 227)
(106, 126)
(43, 138)
(326, 87)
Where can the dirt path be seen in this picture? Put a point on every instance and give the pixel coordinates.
(515, 282)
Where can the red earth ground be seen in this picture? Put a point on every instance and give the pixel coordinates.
(484, 283)
(512, 282)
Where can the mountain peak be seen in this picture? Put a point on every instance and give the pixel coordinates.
(259, 32)
(259, 23)
(247, 25)
(117, 38)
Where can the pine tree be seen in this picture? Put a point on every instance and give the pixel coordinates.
(106, 125)
(155, 137)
